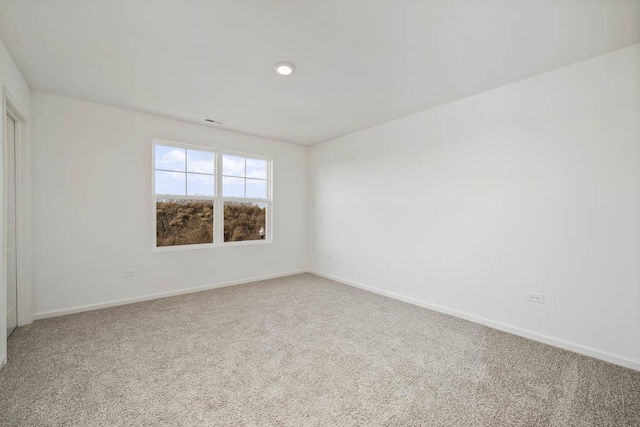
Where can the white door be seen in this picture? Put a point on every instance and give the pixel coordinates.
(10, 226)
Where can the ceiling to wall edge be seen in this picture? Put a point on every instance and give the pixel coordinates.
(221, 127)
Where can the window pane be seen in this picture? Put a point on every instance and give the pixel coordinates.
(200, 161)
(184, 222)
(170, 183)
(256, 188)
(199, 185)
(232, 165)
(232, 187)
(256, 169)
(244, 221)
(170, 158)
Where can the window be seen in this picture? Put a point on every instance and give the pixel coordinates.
(204, 197)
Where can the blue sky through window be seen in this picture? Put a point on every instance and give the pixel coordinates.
(234, 171)
(182, 171)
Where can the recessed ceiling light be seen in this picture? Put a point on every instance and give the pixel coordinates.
(284, 68)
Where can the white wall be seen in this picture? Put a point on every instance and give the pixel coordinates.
(92, 207)
(11, 78)
(534, 186)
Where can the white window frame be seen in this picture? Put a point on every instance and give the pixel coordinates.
(218, 200)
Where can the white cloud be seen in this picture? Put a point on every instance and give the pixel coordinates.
(256, 168)
(232, 165)
(176, 156)
(200, 178)
(200, 161)
(200, 166)
(175, 175)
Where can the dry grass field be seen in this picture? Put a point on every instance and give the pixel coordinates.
(191, 222)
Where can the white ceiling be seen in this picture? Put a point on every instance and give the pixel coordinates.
(359, 62)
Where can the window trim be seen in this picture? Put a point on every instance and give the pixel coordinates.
(218, 199)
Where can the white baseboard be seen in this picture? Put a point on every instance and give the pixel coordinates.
(3, 362)
(557, 342)
(114, 303)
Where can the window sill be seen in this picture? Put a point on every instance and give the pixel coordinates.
(210, 245)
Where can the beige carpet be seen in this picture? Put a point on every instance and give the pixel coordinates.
(299, 351)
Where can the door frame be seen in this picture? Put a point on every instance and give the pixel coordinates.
(12, 108)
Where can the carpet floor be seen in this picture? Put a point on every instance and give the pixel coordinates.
(299, 351)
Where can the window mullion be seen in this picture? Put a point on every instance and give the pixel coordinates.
(218, 218)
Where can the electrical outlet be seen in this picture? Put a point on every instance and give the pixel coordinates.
(538, 298)
(128, 273)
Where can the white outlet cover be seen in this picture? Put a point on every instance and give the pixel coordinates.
(533, 297)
